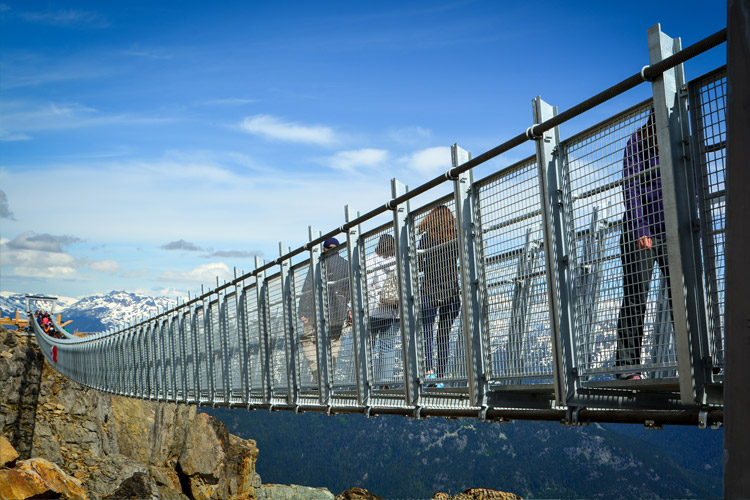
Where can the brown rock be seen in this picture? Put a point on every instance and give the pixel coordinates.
(478, 494)
(357, 493)
(8, 454)
(38, 478)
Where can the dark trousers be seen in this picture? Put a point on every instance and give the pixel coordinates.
(448, 309)
(637, 270)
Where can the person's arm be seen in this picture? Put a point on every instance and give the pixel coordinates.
(633, 166)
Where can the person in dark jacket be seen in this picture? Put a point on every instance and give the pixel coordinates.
(642, 242)
(335, 270)
(440, 293)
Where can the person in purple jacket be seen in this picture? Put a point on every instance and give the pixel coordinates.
(642, 242)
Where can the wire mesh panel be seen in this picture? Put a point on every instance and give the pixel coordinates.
(613, 194)
(512, 256)
(234, 349)
(336, 304)
(276, 337)
(204, 361)
(708, 101)
(177, 358)
(438, 297)
(159, 351)
(214, 323)
(307, 355)
(385, 357)
(253, 328)
(188, 329)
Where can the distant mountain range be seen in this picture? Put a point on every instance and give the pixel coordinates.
(93, 313)
(402, 458)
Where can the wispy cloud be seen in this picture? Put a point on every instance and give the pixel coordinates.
(410, 136)
(233, 254)
(107, 266)
(272, 127)
(18, 119)
(205, 273)
(5, 211)
(354, 159)
(10, 137)
(181, 245)
(229, 101)
(152, 53)
(66, 18)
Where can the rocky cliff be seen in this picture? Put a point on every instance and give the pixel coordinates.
(113, 447)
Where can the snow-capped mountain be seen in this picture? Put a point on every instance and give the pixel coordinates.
(94, 313)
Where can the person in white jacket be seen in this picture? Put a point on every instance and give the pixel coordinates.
(382, 295)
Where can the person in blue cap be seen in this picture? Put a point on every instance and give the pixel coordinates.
(336, 285)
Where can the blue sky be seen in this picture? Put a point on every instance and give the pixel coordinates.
(152, 146)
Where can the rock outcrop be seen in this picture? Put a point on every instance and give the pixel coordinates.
(478, 494)
(34, 478)
(113, 447)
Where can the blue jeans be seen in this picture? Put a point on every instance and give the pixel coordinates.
(384, 335)
(448, 309)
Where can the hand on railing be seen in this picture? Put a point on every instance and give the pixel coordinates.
(645, 243)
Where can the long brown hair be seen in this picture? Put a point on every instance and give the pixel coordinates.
(439, 224)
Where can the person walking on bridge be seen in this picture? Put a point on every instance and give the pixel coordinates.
(440, 293)
(642, 243)
(336, 284)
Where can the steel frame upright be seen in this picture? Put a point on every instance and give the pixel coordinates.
(472, 309)
(556, 252)
(680, 219)
(360, 332)
(325, 381)
(287, 293)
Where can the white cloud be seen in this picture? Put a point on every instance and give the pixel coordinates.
(41, 242)
(107, 266)
(274, 128)
(429, 162)
(351, 160)
(205, 273)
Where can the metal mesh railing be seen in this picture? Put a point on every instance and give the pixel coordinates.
(512, 256)
(276, 337)
(438, 293)
(382, 309)
(284, 335)
(612, 186)
(708, 100)
(337, 307)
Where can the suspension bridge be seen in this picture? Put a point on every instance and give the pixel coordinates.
(518, 303)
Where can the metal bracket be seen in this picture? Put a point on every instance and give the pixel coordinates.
(530, 133)
(652, 425)
(418, 413)
(702, 419)
(572, 416)
(482, 414)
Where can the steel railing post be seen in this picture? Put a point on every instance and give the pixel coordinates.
(472, 301)
(680, 220)
(290, 327)
(560, 289)
(356, 254)
(410, 338)
(263, 332)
